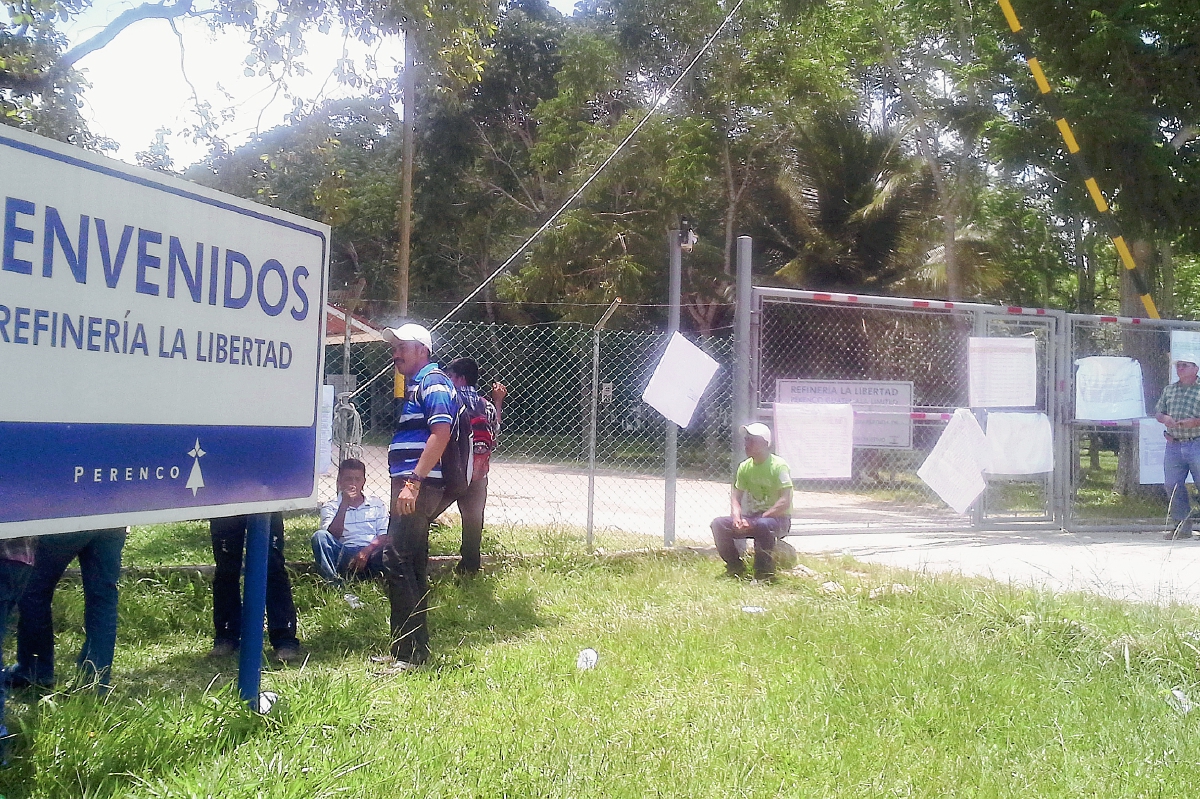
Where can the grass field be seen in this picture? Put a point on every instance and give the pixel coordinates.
(846, 685)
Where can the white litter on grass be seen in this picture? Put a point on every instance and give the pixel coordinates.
(266, 701)
(831, 587)
(753, 609)
(1178, 700)
(587, 659)
(894, 588)
(353, 601)
(800, 570)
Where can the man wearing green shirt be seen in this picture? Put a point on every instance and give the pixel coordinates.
(761, 506)
(1179, 409)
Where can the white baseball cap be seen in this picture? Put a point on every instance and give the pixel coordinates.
(409, 332)
(758, 430)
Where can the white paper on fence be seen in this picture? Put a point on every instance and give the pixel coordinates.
(954, 469)
(1151, 449)
(1185, 346)
(1109, 387)
(679, 380)
(1002, 372)
(1019, 443)
(816, 439)
(325, 430)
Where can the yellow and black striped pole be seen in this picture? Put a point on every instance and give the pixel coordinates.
(1050, 101)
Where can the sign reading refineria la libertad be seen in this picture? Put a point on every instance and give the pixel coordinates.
(161, 346)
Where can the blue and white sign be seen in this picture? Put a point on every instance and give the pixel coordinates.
(161, 346)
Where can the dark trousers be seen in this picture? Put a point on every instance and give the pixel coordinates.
(99, 553)
(228, 543)
(13, 578)
(406, 567)
(763, 530)
(470, 508)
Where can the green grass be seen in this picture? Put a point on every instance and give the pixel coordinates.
(959, 688)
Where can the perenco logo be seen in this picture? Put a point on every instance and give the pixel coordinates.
(143, 473)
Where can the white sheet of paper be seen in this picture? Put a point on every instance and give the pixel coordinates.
(679, 380)
(1185, 346)
(1108, 388)
(1002, 372)
(325, 430)
(816, 440)
(1019, 443)
(954, 469)
(1151, 449)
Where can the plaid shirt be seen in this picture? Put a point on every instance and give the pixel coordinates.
(1181, 402)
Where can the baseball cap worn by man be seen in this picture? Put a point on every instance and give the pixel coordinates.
(409, 332)
(758, 430)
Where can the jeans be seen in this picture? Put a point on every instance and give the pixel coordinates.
(228, 543)
(332, 558)
(406, 567)
(13, 577)
(99, 553)
(763, 530)
(1180, 458)
(470, 508)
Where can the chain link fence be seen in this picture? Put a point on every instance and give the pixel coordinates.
(538, 484)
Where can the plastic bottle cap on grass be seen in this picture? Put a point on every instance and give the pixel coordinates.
(587, 659)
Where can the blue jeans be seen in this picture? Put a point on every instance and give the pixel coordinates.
(332, 558)
(763, 530)
(228, 543)
(1180, 458)
(13, 577)
(99, 553)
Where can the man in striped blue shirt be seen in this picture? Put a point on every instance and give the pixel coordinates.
(414, 461)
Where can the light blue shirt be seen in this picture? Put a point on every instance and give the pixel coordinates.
(362, 524)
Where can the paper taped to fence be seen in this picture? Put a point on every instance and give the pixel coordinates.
(1019, 443)
(1152, 446)
(1002, 372)
(1185, 346)
(954, 469)
(679, 380)
(1108, 388)
(816, 439)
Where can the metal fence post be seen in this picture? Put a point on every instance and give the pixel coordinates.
(741, 350)
(672, 428)
(592, 420)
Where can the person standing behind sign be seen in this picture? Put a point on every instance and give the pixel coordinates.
(228, 543)
(1179, 410)
(16, 564)
(99, 553)
(423, 430)
(484, 414)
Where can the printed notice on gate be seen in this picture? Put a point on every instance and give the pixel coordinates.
(1002, 372)
(882, 408)
(174, 336)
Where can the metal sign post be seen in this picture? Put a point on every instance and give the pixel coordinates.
(254, 607)
(672, 428)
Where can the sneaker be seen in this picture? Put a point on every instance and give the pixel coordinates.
(289, 655)
(223, 649)
(398, 667)
(354, 602)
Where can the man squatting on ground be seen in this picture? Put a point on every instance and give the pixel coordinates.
(414, 462)
(464, 373)
(353, 529)
(761, 505)
(1179, 409)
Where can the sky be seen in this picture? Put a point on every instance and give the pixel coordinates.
(138, 84)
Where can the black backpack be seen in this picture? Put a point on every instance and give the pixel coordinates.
(457, 458)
